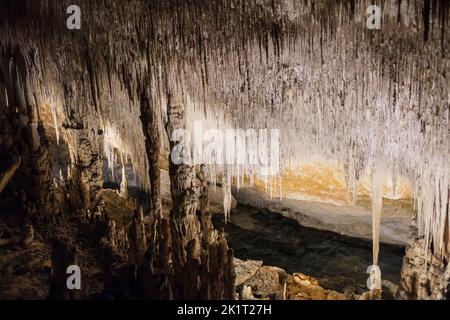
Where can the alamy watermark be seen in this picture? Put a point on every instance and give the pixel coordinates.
(251, 147)
(374, 19)
(74, 280)
(73, 22)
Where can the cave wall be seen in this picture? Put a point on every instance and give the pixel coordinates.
(367, 98)
(424, 274)
(24, 147)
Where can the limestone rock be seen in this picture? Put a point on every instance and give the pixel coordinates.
(247, 294)
(304, 280)
(267, 282)
(303, 287)
(371, 295)
(245, 269)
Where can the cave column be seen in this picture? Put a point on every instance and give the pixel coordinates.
(84, 135)
(185, 227)
(159, 233)
(202, 262)
(86, 166)
(151, 127)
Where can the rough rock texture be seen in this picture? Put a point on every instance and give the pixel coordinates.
(267, 282)
(23, 141)
(423, 276)
(150, 119)
(26, 271)
(302, 287)
(255, 281)
(245, 269)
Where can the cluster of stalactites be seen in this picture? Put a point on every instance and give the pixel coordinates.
(312, 69)
(363, 97)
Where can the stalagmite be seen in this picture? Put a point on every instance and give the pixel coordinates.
(209, 233)
(226, 192)
(124, 184)
(377, 203)
(138, 241)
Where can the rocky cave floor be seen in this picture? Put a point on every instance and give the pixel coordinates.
(275, 256)
(26, 268)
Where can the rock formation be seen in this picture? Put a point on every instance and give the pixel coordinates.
(424, 275)
(202, 263)
(296, 80)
